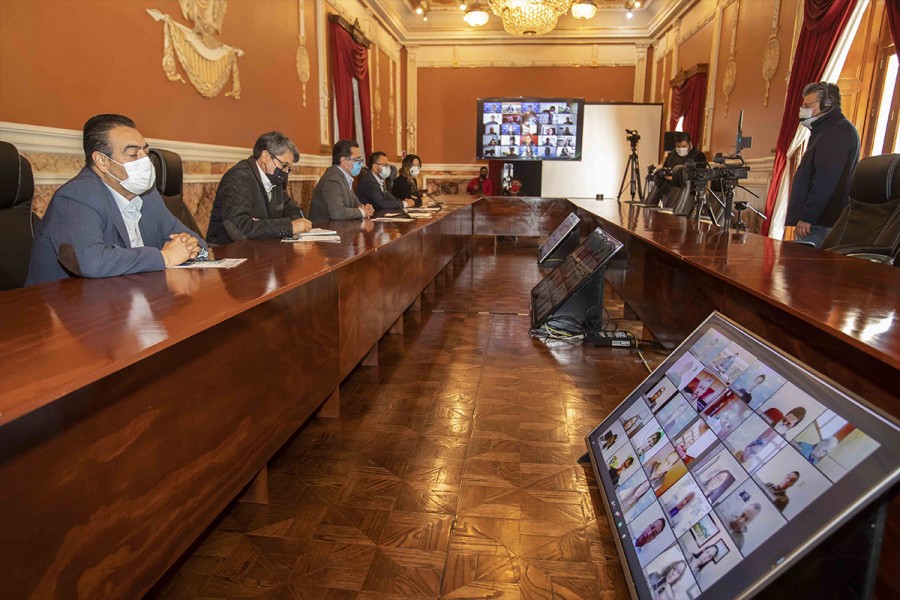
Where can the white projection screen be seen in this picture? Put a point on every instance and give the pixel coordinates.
(605, 151)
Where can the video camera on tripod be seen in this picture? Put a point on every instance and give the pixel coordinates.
(632, 137)
(732, 169)
(633, 169)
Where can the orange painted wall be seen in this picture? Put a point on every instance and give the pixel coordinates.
(760, 121)
(696, 49)
(62, 62)
(447, 99)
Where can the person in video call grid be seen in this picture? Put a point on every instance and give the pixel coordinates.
(715, 485)
(661, 583)
(698, 560)
(778, 492)
(746, 394)
(783, 423)
(615, 470)
(816, 452)
(737, 524)
(657, 470)
(650, 533)
(634, 494)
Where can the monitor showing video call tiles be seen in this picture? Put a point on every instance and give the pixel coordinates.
(730, 461)
(529, 128)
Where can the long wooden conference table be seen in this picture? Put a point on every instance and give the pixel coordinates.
(134, 409)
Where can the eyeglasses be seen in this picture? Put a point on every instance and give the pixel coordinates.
(357, 160)
(284, 166)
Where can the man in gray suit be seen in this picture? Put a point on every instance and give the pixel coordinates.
(110, 220)
(334, 198)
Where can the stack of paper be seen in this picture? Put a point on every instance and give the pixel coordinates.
(315, 235)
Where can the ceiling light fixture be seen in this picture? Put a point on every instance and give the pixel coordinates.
(462, 6)
(529, 17)
(419, 10)
(476, 16)
(629, 14)
(584, 9)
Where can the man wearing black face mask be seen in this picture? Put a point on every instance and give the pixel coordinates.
(480, 185)
(251, 201)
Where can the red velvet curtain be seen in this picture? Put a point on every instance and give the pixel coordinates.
(823, 22)
(893, 17)
(350, 61)
(688, 101)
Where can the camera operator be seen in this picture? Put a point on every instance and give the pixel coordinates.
(683, 152)
(822, 182)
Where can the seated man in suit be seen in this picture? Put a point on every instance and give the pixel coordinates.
(251, 201)
(371, 186)
(109, 219)
(334, 198)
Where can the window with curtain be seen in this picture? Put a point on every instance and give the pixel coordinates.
(689, 102)
(350, 76)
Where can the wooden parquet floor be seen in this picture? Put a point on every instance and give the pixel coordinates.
(451, 472)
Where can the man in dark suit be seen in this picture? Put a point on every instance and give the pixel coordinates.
(109, 219)
(251, 202)
(334, 198)
(821, 186)
(371, 188)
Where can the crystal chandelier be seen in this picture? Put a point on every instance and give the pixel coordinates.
(529, 17)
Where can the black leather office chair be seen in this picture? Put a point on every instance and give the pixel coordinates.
(869, 226)
(17, 222)
(169, 183)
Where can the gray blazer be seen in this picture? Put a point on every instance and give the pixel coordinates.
(83, 233)
(333, 200)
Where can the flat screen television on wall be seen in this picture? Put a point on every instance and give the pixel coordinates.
(529, 128)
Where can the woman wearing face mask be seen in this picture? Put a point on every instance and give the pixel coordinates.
(406, 185)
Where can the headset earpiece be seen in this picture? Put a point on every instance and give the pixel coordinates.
(827, 101)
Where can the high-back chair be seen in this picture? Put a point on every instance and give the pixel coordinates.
(17, 222)
(869, 226)
(170, 184)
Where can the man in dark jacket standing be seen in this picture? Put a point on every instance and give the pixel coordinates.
(822, 182)
(251, 202)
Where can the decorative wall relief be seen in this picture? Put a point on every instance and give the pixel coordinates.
(773, 51)
(302, 53)
(376, 103)
(730, 75)
(207, 61)
(391, 101)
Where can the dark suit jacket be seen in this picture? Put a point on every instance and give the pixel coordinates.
(821, 185)
(242, 209)
(333, 200)
(84, 229)
(369, 191)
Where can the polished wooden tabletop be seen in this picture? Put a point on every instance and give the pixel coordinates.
(60, 336)
(854, 300)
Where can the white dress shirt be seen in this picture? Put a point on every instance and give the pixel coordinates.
(267, 185)
(131, 214)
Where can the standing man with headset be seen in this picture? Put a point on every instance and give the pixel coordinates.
(822, 182)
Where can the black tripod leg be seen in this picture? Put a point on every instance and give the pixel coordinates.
(624, 177)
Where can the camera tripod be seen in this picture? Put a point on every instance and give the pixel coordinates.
(633, 167)
(701, 205)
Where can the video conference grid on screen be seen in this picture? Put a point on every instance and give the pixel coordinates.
(714, 458)
(529, 129)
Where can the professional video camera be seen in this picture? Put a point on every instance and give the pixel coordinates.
(724, 177)
(632, 137)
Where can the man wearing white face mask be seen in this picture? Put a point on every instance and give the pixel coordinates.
(109, 220)
(371, 187)
(684, 151)
(821, 185)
